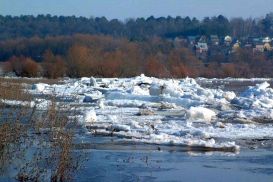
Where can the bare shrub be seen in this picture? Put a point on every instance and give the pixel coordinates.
(46, 134)
(23, 66)
(53, 66)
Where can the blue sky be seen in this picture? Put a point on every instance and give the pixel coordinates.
(123, 9)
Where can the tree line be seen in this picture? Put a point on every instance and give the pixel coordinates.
(133, 29)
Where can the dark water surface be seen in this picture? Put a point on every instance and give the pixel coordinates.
(127, 165)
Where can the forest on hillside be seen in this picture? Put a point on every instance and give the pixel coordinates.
(53, 46)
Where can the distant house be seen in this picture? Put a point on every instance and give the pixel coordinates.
(214, 40)
(202, 47)
(202, 39)
(262, 45)
(192, 40)
(236, 46)
(201, 50)
(258, 48)
(267, 47)
(267, 40)
(227, 40)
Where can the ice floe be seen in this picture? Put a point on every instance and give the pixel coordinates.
(200, 113)
(90, 116)
(168, 111)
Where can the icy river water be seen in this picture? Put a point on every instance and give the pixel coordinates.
(137, 165)
(149, 129)
(147, 163)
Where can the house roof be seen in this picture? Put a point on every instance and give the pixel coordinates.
(267, 40)
(202, 45)
(214, 37)
(228, 38)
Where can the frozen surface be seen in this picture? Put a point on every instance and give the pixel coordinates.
(167, 111)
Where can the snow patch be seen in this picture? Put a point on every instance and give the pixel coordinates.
(201, 113)
(90, 116)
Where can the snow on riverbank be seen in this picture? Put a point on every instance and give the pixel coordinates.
(168, 112)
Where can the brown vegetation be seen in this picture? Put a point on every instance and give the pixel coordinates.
(104, 56)
(23, 66)
(10, 90)
(53, 66)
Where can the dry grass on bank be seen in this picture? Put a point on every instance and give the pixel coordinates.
(23, 80)
(24, 129)
(13, 90)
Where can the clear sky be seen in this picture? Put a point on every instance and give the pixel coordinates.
(123, 9)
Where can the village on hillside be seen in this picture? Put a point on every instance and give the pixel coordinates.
(205, 47)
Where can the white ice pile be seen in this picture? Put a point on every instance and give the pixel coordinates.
(90, 117)
(256, 102)
(167, 111)
(200, 113)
